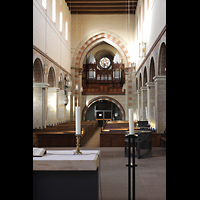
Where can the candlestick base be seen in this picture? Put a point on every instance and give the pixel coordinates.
(78, 137)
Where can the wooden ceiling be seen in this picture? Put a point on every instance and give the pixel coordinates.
(102, 6)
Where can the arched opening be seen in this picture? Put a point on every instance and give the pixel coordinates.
(51, 77)
(103, 71)
(61, 82)
(94, 40)
(38, 95)
(162, 60)
(136, 84)
(102, 111)
(152, 70)
(140, 81)
(37, 71)
(145, 76)
(110, 109)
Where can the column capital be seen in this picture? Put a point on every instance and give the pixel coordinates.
(159, 78)
(150, 84)
(138, 91)
(53, 89)
(40, 85)
(143, 88)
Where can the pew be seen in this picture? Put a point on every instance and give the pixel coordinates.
(163, 138)
(112, 133)
(63, 135)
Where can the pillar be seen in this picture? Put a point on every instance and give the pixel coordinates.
(130, 101)
(139, 105)
(151, 102)
(160, 103)
(52, 118)
(143, 103)
(61, 107)
(39, 105)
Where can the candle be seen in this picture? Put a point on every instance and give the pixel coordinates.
(131, 123)
(78, 121)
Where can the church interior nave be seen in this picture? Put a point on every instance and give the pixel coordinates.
(99, 78)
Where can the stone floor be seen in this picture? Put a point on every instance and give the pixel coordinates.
(150, 174)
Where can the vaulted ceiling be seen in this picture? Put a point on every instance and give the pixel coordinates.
(102, 6)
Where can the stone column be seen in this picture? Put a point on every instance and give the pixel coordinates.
(160, 103)
(139, 104)
(130, 102)
(151, 102)
(134, 96)
(144, 102)
(52, 106)
(61, 107)
(126, 93)
(39, 105)
(68, 107)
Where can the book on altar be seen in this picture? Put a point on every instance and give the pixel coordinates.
(38, 151)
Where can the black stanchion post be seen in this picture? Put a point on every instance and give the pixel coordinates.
(131, 165)
(129, 168)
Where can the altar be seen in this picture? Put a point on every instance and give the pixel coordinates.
(61, 175)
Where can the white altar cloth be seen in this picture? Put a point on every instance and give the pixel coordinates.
(56, 160)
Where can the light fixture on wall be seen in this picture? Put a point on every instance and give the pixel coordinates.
(60, 78)
(68, 82)
(142, 49)
(65, 101)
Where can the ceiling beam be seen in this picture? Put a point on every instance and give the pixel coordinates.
(102, 12)
(100, 1)
(102, 9)
(101, 5)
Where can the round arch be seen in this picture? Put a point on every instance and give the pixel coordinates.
(162, 60)
(152, 70)
(144, 76)
(52, 77)
(96, 39)
(103, 98)
(140, 81)
(38, 71)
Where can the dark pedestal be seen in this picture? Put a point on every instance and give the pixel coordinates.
(65, 185)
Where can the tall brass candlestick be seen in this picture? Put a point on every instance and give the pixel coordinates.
(78, 137)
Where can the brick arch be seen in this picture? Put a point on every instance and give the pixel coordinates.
(113, 39)
(103, 98)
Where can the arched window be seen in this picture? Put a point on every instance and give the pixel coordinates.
(66, 29)
(54, 10)
(61, 19)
